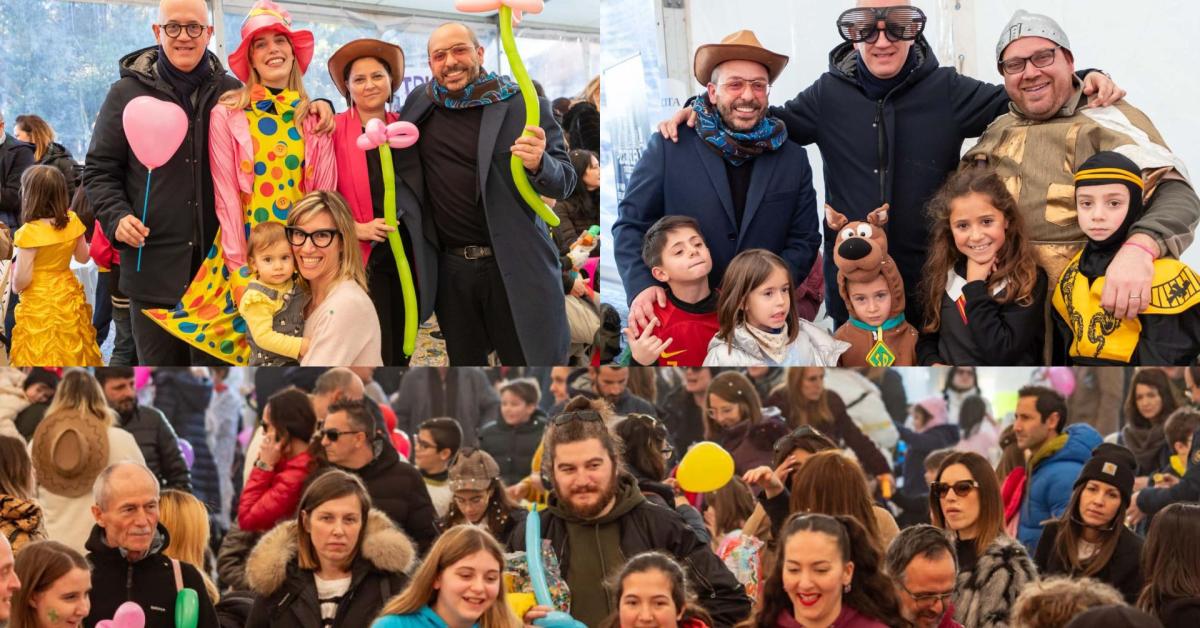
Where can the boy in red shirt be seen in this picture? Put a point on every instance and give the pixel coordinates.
(679, 334)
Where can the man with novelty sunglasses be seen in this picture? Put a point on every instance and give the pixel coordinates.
(890, 123)
(1050, 130)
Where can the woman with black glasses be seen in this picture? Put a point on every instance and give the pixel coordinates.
(340, 320)
(992, 566)
(1090, 539)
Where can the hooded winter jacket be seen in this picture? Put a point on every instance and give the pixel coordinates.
(182, 219)
(634, 525)
(1052, 473)
(150, 582)
(287, 594)
(935, 434)
(58, 156)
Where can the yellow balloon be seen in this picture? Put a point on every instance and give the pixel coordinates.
(705, 468)
(520, 603)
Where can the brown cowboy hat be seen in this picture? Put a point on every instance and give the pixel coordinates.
(69, 451)
(740, 45)
(392, 54)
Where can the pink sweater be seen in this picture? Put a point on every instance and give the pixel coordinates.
(232, 156)
(344, 329)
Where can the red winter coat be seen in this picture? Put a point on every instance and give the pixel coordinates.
(271, 496)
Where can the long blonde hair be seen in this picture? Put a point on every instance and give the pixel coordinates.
(79, 391)
(186, 519)
(452, 546)
(350, 265)
(239, 99)
(591, 92)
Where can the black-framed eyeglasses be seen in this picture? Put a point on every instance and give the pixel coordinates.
(903, 23)
(173, 29)
(1040, 59)
(333, 434)
(588, 416)
(321, 238)
(927, 599)
(961, 488)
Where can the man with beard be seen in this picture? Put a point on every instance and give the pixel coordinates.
(736, 174)
(611, 383)
(922, 563)
(153, 433)
(597, 517)
(499, 284)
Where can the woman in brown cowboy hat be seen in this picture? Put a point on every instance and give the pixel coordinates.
(71, 446)
(368, 72)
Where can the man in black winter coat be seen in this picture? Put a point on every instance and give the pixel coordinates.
(153, 433)
(597, 519)
(890, 124)
(395, 486)
(15, 157)
(126, 549)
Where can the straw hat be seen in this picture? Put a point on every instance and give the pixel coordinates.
(742, 45)
(69, 451)
(266, 16)
(392, 54)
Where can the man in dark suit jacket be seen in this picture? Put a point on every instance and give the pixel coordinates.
(736, 173)
(499, 282)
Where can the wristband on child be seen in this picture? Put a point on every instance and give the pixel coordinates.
(1143, 247)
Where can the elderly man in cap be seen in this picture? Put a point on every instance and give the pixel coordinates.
(1049, 131)
(736, 174)
(890, 123)
(126, 550)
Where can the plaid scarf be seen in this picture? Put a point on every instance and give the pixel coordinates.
(735, 146)
(487, 88)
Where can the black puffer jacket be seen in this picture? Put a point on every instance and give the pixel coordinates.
(1123, 571)
(898, 149)
(15, 157)
(183, 398)
(156, 438)
(513, 446)
(287, 594)
(150, 582)
(182, 218)
(645, 527)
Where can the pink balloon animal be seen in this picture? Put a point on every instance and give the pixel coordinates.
(396, 134)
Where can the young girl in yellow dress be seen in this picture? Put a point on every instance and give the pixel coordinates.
(265, 155)
(53, 319)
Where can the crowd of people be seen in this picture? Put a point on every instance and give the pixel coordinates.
(353, 503)
(272, 231)
(1055, 239)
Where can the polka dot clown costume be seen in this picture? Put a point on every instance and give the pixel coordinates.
(263, 161)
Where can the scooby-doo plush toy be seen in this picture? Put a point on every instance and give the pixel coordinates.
(873, 291)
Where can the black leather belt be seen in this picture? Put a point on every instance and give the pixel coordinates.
(471, 252)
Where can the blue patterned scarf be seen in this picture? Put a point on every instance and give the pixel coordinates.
(735, 146)
(487, 88)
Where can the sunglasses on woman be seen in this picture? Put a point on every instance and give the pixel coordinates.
(961, 488)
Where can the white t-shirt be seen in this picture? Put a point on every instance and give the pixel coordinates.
(329, 596)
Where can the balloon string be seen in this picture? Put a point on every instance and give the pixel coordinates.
(145, 204)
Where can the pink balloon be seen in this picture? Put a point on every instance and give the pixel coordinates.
(104, 623)
(402, 134)
(154, 128)
(1062, 378)
(129, 615)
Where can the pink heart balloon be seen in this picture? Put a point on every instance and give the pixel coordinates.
(154, 128)
(104, 623)
(129, 615)
(402, 134)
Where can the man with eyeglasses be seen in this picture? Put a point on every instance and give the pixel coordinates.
(396, 487)
(890, 123)
(737, 176)
(499, 284)
(1052, 127)
(182, 219)
(922, 563)
(597, 518)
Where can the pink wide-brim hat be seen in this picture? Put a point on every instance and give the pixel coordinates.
(266, 16)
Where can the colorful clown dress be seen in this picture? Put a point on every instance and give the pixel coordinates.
(207, 316)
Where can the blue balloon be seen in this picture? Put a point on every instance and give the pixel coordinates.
(537, 575)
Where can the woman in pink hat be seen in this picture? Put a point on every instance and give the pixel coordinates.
(265, 155)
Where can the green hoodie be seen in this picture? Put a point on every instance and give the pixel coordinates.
(595, 549)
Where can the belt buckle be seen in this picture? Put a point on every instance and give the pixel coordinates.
(473, 252)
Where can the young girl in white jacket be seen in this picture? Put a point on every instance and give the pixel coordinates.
(759, 326)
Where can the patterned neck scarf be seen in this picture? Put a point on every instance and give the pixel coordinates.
(735, 146)
(486, 89)
(281, 102)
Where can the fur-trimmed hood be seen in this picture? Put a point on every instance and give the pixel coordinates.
(385, 547)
